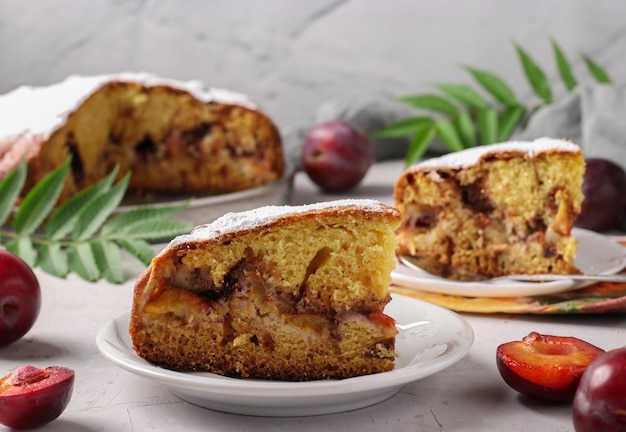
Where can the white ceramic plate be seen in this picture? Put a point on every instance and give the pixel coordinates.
(205, 209)
(430, 339)
(597, 254)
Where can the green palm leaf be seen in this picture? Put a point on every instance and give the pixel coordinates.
(494, 85)
(464, 94)
(69, 241)
(52, 259)
(448, 135)
(140, 249)
(125, 221)
(510, 119)
(488, 126)
(402, 128)
(465, 126)
(10, 188)
(83, 262)
(39, 201)
(98, 210)
(565, 70)
(22, 246)
(419, 144)
(109, 261)
(64, 218)
(596, 70)
(535, 75)
(431, 102)
(155, 230)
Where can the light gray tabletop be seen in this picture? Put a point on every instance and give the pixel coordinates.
(468, 396)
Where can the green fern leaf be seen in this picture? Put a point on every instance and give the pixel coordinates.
(82, 261)
(109, 261)
(565, 70)
(52, 259)
(68, 241)
(510, 119)
(419, 144)
(431, 102)
(10, 187)
(596, 70)
(64, 217)
(98, 210)
(140, 249)
(535, 75)
(464, 94)
(156, 229)
(39, 201)
(402, 128)
(465, 127)
(448, 135)
(22, 246)
(488, 126)
(494, 85)
(123, 222)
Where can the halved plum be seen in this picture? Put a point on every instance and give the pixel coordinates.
(31, 397)
(545, 367)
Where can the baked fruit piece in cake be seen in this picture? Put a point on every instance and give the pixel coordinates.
(176, 137)
(279, 293)
(493, 210)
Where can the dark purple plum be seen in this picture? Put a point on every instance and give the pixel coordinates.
(336, 156)
(600, 401)
(20, 298)
(604, 187)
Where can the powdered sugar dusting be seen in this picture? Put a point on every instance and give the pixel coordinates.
(231, 222)
(41, 110)
(466, 158)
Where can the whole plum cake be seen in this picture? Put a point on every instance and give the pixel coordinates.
(175, 137)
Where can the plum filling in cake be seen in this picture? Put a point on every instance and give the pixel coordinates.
(78, 170)
(252, 312)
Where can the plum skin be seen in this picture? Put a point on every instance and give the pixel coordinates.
(537, 391)
(604, 203)
(20, 298)
(336, 156)
(31, 397)
(600, 401)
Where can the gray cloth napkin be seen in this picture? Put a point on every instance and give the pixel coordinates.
(592, 116)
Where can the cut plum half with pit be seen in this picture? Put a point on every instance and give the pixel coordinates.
(31, 397)
(545, 367)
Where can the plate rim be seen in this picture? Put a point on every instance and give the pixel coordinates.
(215, 384)
(193, 201)
(486, 289)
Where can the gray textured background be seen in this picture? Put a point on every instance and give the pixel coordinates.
(295, 57)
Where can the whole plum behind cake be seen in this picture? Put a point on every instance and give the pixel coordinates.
(493, 210)
(281, 293)
(175, 137)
